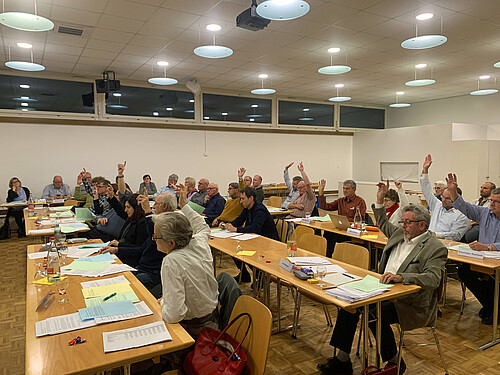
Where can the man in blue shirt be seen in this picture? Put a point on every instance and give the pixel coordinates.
(170, 187)
(214, 203)
(488, 218)
(292, 187)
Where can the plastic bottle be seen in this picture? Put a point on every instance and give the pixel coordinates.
(53, 262)
(358, 220)
(31, 206)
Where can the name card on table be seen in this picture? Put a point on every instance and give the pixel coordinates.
(471, 253)
(286, 265)
(356, 232)
(306, 220)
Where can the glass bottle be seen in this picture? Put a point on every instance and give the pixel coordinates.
(358, 220)
(53, 262)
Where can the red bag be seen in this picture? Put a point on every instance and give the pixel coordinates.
(217, 353)
(387, 370)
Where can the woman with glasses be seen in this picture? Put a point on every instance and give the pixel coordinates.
(148, 184)
(16, 193)
(394, 201)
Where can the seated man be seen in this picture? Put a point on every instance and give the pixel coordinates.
(199, 196)
(257, 185)
(170, 187)
(100, 206)
(149, 265)
(346, 206)
(83, 197)
(214, 203)
(439, 187)
(292, 187)
(57, 189)
(256, 219)
(488, 218)
(484, 201)
(232, 208)
(306, 200)
(446, 222)
(413, 255)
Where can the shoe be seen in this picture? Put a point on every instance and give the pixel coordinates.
(481, 312)
(335, 366)
(402, 367)
(245, 278)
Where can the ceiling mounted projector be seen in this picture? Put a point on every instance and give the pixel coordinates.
(250, 20)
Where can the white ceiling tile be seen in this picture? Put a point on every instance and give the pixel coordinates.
(89, 5)
(99, 54)
(112, 35)
(71, 15)
(193, 6)
(128, 9)
(173, 18)
(119, 23)
(137, 59)
(105, 45)
(160, 30)
(66, 40)
(361, 21)
(66, 50)
(103, 63)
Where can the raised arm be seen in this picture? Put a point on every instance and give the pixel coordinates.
(196, 220)
(425, 184)
(286, 176)
(305, 178)
(121, 179)
(403, 199)
(380, 215)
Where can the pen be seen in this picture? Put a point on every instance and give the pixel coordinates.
(110, 296)
(345, 274)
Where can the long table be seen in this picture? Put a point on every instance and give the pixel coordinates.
(268, 254)
(30, 225)
(53, 355)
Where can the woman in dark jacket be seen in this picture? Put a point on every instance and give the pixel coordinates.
(134, 232)
(20, 193)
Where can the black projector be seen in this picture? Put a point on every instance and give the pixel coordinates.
(248, 19)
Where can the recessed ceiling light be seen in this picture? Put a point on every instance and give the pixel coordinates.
(213, 27)
(255, 105)
(306, 109)
(339, 85)
(24, 104)
(420, 66)
(117, 94)
(169, 109)
(400, 93)
(282, 10)
(156, 114)
(24, 45)
(24, 86)
(333, 50)
(206, 118)
(252, 119)
(263, 76)
(26, 21)
(25, 97)
(484, 77)
(224, 113)
(424, 16)
(191, 100)
(162, 63)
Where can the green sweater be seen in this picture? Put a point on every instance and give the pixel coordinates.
(87, 198)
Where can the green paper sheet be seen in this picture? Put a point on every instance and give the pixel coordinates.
(87, 266)
(196, 207)
(324, 218)
(73, 228)
(61, 208)
(83, 214)
(62, 214)
(128, 296)
(368, 284)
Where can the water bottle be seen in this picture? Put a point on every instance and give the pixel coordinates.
(53, 262)
(31, 206)
(57, 235)
(358, 220)
(291, 244)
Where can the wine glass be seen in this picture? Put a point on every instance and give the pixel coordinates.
(62, 285)
(40, 273)
(63, 252)
(238, 246)
(321, 273)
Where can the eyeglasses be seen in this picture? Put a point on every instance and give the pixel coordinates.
(494, 201)
(155, 238)
(408, 222)
(211, 188)
(100, 186)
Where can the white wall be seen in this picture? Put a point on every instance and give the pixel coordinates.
(465, 109)
(35, 153)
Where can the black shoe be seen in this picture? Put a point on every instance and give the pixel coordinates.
(245, 278)
(402, 367)
(481, 312)
(335, 366)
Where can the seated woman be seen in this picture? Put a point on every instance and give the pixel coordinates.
(190, 184)
(148, 184)
(394, 201)
(16, 193)
(190, 290)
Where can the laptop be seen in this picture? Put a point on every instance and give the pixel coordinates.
(340, 222)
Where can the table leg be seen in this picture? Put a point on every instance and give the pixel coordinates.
(364, 352)
(255, 289)
(126, 369)
(494, 339)
(379, 331)
(296, 312)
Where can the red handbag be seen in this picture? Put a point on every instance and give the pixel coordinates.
(217, 353)
(387, 370)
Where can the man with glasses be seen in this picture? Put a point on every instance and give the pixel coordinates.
(413, 255)
(439, 187)
(446, 222)
(488, 218)
(484, 200)
(232, 208)
(199, 197)
(57, 189)
(214, 203)
(306, 200)
(292, 187)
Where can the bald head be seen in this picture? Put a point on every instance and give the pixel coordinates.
(213, 189)
(57, 181)
(203, 184)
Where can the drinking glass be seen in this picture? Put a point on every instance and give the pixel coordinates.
(63, 253)
(238, 246)
(62, 285)
(321, 273)
(40, 273)
(447, 242)
(307, 215)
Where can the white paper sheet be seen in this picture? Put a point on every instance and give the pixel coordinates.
(60, 324)
(37, 255)
(113, 280)
(135, 337)
(41, 231)
(224, 234)
(246, 236)
(309, 261)
(75, 252)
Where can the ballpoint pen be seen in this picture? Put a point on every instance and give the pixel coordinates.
(349, 276)
(110, 296)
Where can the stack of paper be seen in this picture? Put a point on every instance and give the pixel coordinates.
(135, 337)
(94, 269)
(71, 228)
(61, 208)
(75, 252)
(325, 218)
(223, 233)
(340, 278)
(112, 280)
(359, 290)
(369, 284)
(107, 309)
(309, 261)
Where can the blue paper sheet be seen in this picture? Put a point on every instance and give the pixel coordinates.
(106, 257)
(93, 245)
(107, 309)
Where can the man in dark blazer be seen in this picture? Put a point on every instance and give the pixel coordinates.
(413, 255)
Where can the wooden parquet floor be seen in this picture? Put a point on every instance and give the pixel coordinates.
(459, 335)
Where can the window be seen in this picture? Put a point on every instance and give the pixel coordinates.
(359, 117)
(298, 113)
(39, 94)
(149, 102)
(236, 108)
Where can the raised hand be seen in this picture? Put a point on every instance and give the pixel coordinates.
(121, 168)
(398, 184)
(321, 187)
(289, 165)
(143, 201)
(382, 190)
(451, 181)
(427, 164)
(146, 191)
(110, 192)
(94, 193)
(300, 167)
(241, 172)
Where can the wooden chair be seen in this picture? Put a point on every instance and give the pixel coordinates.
(71, 202)
(313, 243)
(352, 254)
(274, 201)
(256, 343)
(282, 228)
(301, 230)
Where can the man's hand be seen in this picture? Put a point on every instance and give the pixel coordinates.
(114, 243)
(58, 196)
(289, 165)
(390, 278)
(321, 187)
(478, 246)
(241, 172)
(300, 167)
(146, 192)
(230, 227)
(215, 222)
(398, 184)
(181, 190)
(110, 192)
(81, 177)
(382, 190)
(121, 168)
(94, 193)
(143, 201)
(427, 164)
(452, 185)
(108, 249)
(102, 220)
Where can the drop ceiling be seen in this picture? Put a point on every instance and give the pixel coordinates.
(129, 37)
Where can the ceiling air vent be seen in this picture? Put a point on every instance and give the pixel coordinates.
(65, 28)
(69, 30)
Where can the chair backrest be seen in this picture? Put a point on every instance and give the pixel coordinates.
(313, 243)
(322, 212)
(274, 201)
(301, 230)
(353, 254)
(71, 202)
(440, 289)
(229, 292)
(256, 344)
(282, 228)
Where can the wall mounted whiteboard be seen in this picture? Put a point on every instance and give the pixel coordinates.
(405, 171)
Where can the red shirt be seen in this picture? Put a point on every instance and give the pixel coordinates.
(345, 206)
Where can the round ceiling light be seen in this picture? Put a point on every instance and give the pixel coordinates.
(162, 81)
(25, 99)
(213, 27)
(424, 16)
(484, 92)
(213, 52)
(497, 64)
(420, 82)
(340, 99)
(282, 10)
(24, 45)
(25, 65)
(424, 41)
(251, 116)
(26, 21)
(24, 86)
(306, 118)
(334, 69)
(399, 105)
(119, 106)
(263, 91)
